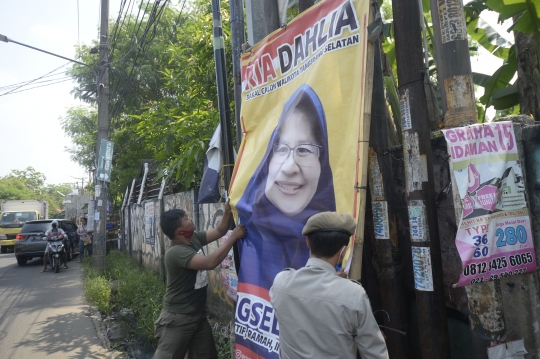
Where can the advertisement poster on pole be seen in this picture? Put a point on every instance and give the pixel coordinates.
(149, 223)
(302, 105)
(105, 160)
(494, 237)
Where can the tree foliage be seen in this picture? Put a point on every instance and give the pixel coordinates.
(163, 99)
(30, 184)
(499, 92)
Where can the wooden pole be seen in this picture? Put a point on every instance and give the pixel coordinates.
(420, 187)
(486, 314)
(356, 261)
(389, 266)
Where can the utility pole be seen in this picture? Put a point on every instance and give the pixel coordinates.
(262, 19)
(486, 315)
(383, 203)
(223, 94)
(420, 188)
(303, 5)
(102, 192)
(237, 39)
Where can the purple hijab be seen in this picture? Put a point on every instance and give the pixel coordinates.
(274, 240)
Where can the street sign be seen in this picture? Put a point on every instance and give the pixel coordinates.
(105, 161)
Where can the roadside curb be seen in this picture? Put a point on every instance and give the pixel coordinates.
(101, 332)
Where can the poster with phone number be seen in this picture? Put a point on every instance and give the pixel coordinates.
(494, 237)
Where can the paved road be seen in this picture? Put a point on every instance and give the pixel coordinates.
(43, 315)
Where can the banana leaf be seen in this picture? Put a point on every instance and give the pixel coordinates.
(480, 79)
(489, 38)
(501, 78)
(529, 11)
(505, 98)
(393, 99)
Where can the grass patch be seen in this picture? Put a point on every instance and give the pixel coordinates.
(222, 337)
(124, 285)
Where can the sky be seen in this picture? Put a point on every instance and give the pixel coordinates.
(30, 127)
(30, 121)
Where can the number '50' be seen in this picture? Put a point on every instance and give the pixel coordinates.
(511, 236)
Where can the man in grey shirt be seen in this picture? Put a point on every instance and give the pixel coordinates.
(320, 314)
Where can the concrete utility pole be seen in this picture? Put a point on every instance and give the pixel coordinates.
(303, 5)
(459, 106)
(262, 19)
(102, 192)
(420, 188)
(237, 39)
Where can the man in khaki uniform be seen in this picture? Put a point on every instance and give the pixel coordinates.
(320, 314)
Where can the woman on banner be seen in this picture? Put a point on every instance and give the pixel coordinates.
(292, 183)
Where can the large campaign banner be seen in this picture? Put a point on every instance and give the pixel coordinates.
(302, 105)
(494, 237)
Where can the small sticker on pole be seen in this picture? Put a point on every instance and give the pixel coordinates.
(404, 106)
(380, 219)
(418, 222)
(423, 274)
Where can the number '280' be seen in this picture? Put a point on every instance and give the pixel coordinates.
(511, 236)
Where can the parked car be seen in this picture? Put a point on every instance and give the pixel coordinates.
(30, 244)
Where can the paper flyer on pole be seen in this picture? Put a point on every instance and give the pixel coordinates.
(149, 223)
(494, 237)
(302, 106)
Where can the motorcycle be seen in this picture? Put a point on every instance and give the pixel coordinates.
(56, 251)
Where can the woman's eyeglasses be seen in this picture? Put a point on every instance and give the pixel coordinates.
(303, 154)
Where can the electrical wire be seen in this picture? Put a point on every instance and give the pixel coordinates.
(31, 81)
(7, 87)
(40, 82)
(35, 87)
(152, 21)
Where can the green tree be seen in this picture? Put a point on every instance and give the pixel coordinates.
(179, 126)
(30, 184)
(80, 124)
(12, 188)
(32, 178)
(162, 96)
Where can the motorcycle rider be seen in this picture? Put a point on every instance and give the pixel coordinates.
(52, 232)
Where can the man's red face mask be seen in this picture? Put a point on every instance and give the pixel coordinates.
(186, 234)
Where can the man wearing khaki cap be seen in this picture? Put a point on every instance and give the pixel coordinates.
(320, 314)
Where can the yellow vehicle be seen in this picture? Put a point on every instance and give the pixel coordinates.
(14, 215)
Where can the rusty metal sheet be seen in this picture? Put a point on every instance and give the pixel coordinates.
(485, 311)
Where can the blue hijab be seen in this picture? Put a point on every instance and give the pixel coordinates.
(274, 240)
